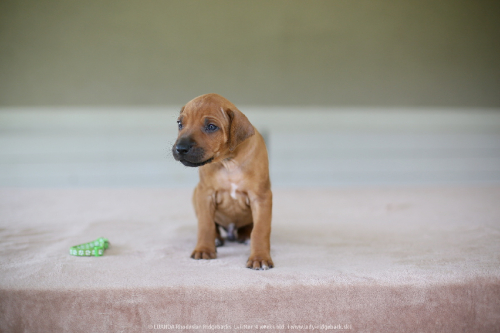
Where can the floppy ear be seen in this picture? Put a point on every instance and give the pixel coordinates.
(240, 128)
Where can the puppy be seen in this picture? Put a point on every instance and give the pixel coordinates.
(234, 191)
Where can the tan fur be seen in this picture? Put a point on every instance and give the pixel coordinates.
(234, 187)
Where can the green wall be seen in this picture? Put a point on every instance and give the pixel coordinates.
(332, 53)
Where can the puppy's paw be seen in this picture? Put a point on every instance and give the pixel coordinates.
(219, 242)
(204, 253)
(245, 241)
(260, 262)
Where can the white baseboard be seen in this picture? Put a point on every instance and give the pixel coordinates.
(130, 147)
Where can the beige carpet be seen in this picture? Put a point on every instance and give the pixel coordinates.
(356, 260)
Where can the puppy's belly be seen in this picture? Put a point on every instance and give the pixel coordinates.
(232, 208)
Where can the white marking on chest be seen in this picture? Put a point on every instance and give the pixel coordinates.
(233, 190)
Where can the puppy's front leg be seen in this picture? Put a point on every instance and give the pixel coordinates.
(204, 205)
(260, 256)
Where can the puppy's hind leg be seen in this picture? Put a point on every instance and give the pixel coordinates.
(231, 232)
(219, 240)
(244, 234)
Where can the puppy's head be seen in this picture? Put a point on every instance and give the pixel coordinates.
(210, 128)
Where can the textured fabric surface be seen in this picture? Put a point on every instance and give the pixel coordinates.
(366, 260)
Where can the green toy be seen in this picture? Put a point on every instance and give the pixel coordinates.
(95, 248)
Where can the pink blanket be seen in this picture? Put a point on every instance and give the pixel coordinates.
(362, 260)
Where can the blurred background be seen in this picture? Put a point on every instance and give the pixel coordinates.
(347, 93)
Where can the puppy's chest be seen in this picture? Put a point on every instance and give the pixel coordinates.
(231, 191)
(232, 205)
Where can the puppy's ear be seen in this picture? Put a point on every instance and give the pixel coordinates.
(240, 128)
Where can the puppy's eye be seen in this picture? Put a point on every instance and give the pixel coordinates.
(211, 128)
(179, 123)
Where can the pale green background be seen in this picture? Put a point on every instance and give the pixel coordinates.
(330, 53)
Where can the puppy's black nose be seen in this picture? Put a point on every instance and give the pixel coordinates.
(183, 146)
(182, 149)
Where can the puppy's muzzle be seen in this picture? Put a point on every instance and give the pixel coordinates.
(188, 153)
(183, 146)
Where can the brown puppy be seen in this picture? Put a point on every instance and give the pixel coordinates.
(234, 191)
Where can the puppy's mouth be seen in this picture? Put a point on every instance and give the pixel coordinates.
(189, 154)
(199, 164)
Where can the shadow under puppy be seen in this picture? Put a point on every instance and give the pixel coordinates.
(234, 191)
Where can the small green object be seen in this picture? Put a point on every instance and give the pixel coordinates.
(95, 248)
